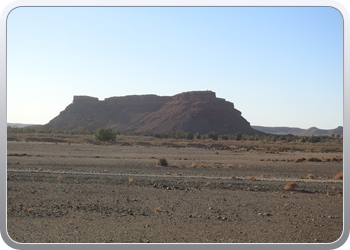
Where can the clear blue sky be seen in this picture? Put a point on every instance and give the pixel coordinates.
(279, 66)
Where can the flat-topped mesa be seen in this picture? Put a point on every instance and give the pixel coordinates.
(137, 98)
(194, 111)
(195, 95)
(202, 96)
(84, 99)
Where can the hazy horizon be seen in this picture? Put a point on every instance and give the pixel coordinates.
(280, 66)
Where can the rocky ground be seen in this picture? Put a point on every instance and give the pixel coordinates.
(60, 192)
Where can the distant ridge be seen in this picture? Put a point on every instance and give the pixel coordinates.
(299, 131)
(19, 125)
(195, 111)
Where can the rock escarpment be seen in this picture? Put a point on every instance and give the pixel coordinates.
(197, 111)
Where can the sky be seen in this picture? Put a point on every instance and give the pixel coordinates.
(280, 66)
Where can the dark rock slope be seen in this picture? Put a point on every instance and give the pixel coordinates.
(197, 111)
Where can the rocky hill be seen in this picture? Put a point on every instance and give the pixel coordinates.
(197, 111)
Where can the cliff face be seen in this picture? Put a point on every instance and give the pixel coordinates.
(197, 111)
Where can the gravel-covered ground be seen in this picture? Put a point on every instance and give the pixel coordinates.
(59, 192)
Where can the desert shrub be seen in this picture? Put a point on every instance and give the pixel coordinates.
(303, 139)
(325, 159)
(162, 162)
(213, 135)
(314, 139)
(290, 186)
(299, 160)
(313, 159)
(105, 134)
(189, 136)
(336, 158)
(238, 136)
(282, 138)
(224, 137)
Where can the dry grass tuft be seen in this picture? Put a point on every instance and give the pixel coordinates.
(313, 159)
(336, 158)
(339, 176)
(325, 159)
(29, 210)
(310, 176)
(290, 186)
(229, 166)
(162, 162)
(299, 160)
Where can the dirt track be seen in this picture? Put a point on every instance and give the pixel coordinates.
(90, 193)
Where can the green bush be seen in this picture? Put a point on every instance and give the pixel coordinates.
(238, 136)
(189, 136)
(105, 134)
(213, 135)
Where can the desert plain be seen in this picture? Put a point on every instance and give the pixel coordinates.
(62, 190)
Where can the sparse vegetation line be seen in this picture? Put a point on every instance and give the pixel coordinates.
(171, 176)
(107, 134)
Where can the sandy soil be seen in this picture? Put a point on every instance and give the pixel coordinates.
(59, 192)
